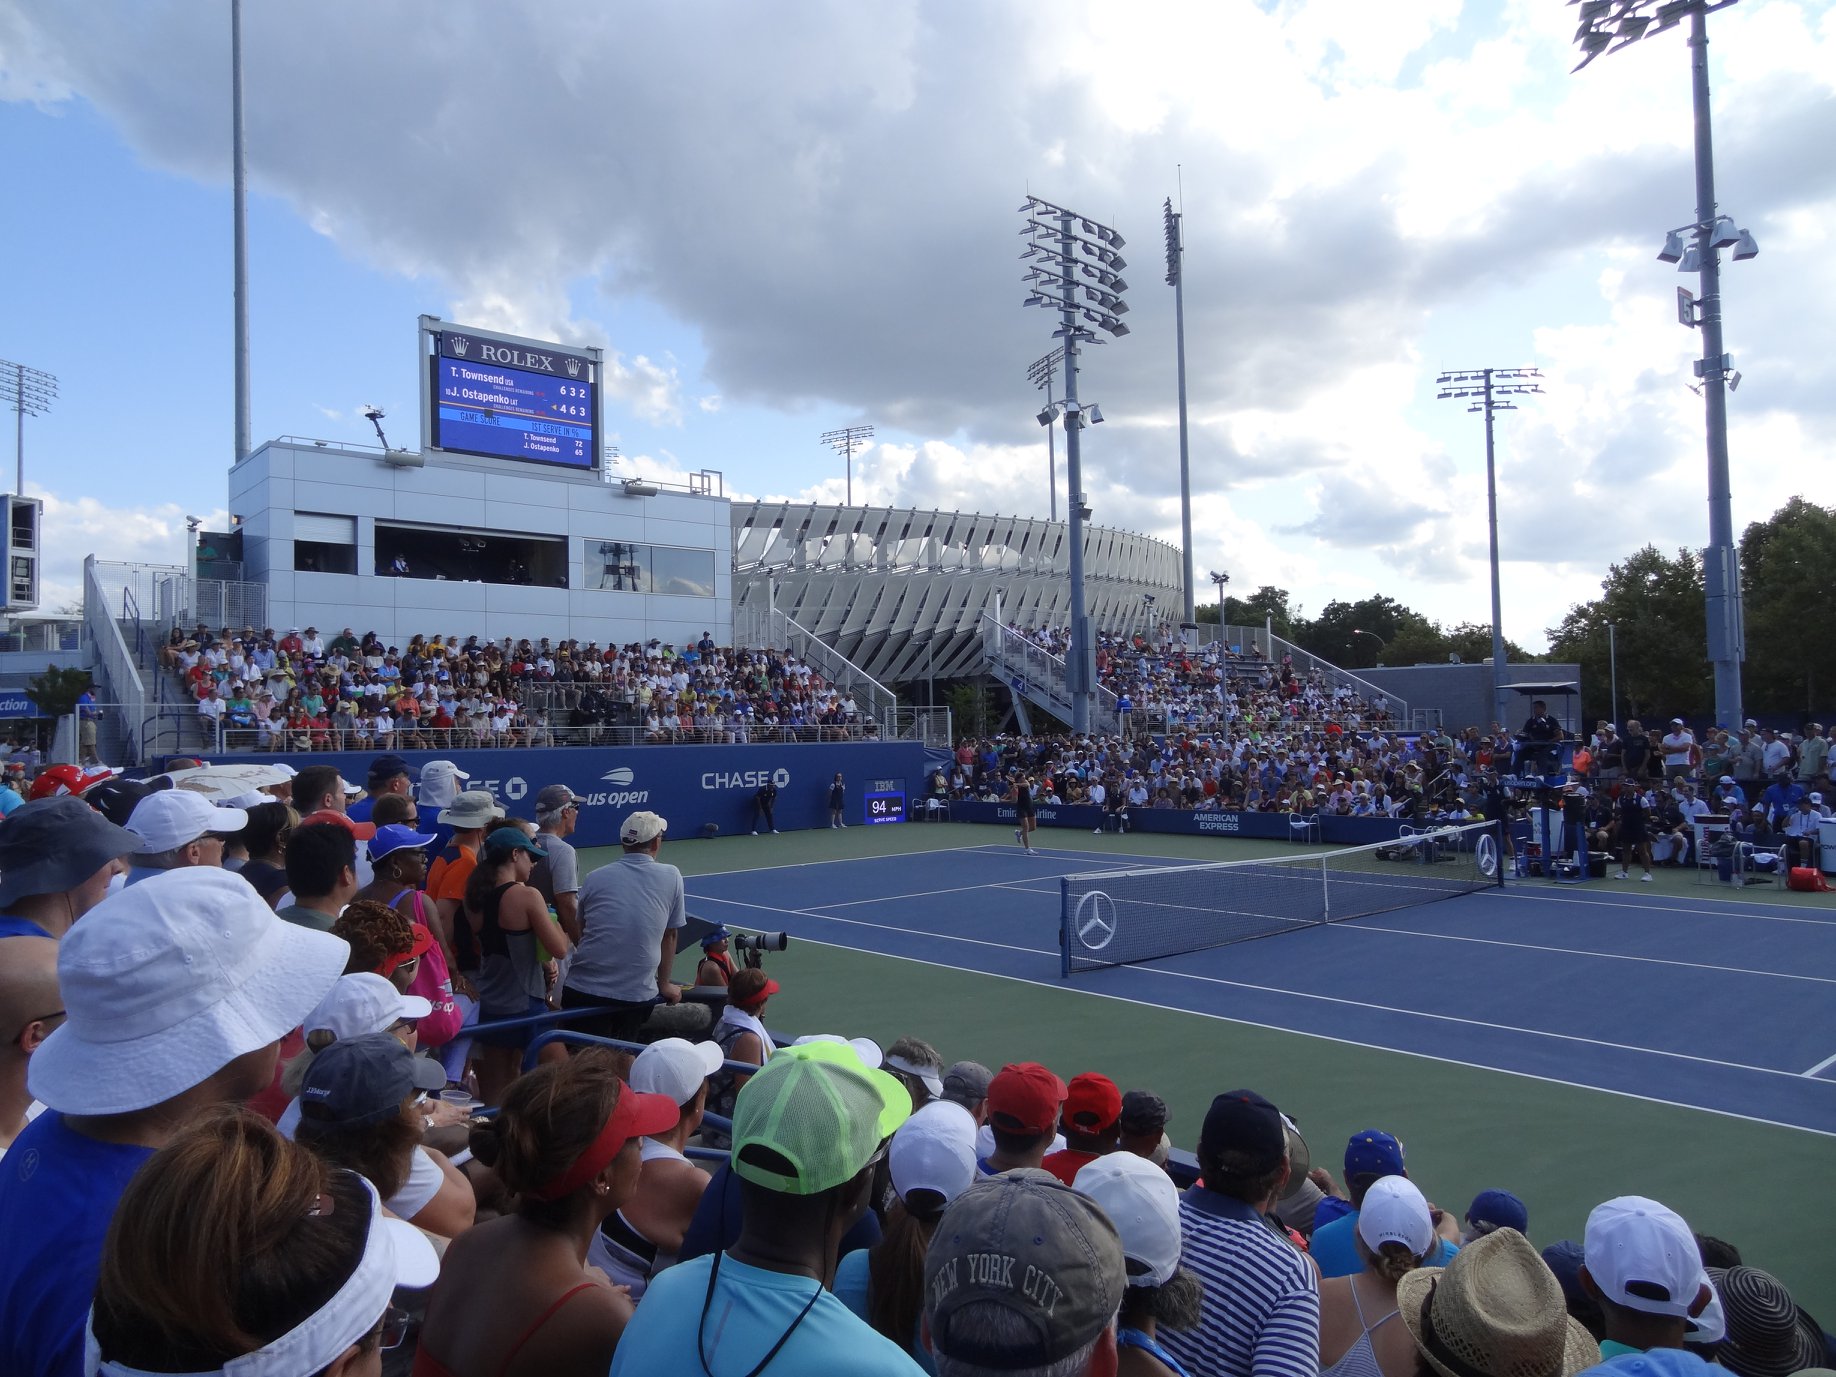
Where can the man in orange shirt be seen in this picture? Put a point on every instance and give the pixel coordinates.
(469, 814)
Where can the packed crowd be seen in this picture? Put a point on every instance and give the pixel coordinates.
(298, 691)
(1163, 684)
(267, 1112)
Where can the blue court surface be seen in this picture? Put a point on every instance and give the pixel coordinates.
(1714, 1004)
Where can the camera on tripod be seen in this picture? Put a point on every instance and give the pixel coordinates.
(750, 947)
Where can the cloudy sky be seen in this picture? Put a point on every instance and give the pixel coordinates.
(782, 219)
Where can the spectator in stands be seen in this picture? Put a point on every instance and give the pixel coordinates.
(177, 994)
(1394, 1236)
(468, 815)
(318, 789)
(1803, 830)
(630, 915)
(1640, 1264)
(1775, 755)
(1680, 753)
(178, 829)
(234, 1249)
(981, 1316)
(516, 934)
(58, 857)
(1768, 1333)
(556, 876)
(808, 1132)
(1495, 1311)
(1023, 1103)
(1261, 1308)
(1090, 1120)
(1143, 1126)
(931, 1161)
(1491, 1211)
(914, 1063)
(389, 774)
(644, 1236)
(358, 1109)
(321, 874)
(1141, 1201)
(716, 964)
(1370, 1156)
(263, 840)
(965, 1083)
(30, 1003)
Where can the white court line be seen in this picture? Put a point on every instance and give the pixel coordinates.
(1637, 907)
(835, 860)
(1582, 951)
(1292, 994)
(1822, 1066)
(1062, 988)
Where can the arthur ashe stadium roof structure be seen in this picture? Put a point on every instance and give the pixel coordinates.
(905, 593)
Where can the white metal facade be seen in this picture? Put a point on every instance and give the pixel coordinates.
(902, 592)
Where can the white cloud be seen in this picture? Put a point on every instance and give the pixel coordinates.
(75, 527)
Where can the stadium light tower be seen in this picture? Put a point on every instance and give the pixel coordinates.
(1041, 372)
(30, 392)
(844, 443)
(1608, 26)
(1069, 254)
(1488, 385)
(239, 195)
(1176, 279)
(1220, 578)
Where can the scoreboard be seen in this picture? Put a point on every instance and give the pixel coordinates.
(514, 399)
(884, 800)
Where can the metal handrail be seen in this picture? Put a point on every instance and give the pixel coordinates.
(1399, 707)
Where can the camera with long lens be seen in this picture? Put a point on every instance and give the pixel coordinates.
(751, 946)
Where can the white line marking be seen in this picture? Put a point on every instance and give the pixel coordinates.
(1292, 994)
(1823, 1065)
(1062, 988)
(1583, 951)
(1721, 912)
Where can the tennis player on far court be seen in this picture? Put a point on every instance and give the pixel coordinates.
(1023, 812)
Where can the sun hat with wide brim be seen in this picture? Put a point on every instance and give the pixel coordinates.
(1495, 1311)
(1767, 1334)
(168, 982)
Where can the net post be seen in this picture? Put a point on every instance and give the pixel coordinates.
(1325, 891)
(1064, 928)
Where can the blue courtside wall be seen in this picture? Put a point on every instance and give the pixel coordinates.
(1194, 823)
(689, 785)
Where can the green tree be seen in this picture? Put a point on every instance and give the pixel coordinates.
(1788, 575)
(1655, 606)
(968, 705)
(1376, 623)
(56, 690)
(1267, 604)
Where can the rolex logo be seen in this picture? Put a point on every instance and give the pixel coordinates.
(573, 368)
(460, 344)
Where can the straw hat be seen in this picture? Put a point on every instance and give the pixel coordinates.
(1495, 1311)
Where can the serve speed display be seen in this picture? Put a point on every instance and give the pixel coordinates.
(884, 800)
(512, 401)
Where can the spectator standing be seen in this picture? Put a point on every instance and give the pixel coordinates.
(1394, 1237)
(389, 774)
(1024, 1275)
(1370, 1156)
(1775, 755)
(321, 874)
(1813, 755)
(89, 717)
(1496, 1310)
(1141, 1201)
(234, 1249)
(30, 1002)
(1635, 752)
(1090, 1121)
(58, 857)
(838, 800)
(1680, 754)
(631, 913)
(514, 931)
(807, 1133)
(178, 828)
(557, 875)
(644, 1235)
(1262, 1303)
(1640, 1263)
(468, 815)
(178, 992)
(515, 1295)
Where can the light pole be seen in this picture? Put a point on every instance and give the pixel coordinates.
(1608, 26)
(239, 195)
(1176, 279)
(30, 392)
(1220, 578)
(1492, 383)
(1060, 254)
(1612, 652)
(845, 442)
(1041, 372)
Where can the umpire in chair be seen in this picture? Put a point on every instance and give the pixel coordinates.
(1538, 744)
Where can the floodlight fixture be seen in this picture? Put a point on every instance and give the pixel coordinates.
(1724, 235)
(29, 392)
(1692, 260)
(638, 487)
(1745, 247)
(1673, 247)
(1047, 415)
(1734, 381)
(845, 442)
(1095, 414)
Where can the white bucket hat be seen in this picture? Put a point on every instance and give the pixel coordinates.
(170, 980)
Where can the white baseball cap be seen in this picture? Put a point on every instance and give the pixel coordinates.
(174, 817)
(934, 1150)
(1643, 1256)
(1396, 1211)
(167, 982)
(675, 1067)
(363, 1003)
(1143, 1203)
(642, 828)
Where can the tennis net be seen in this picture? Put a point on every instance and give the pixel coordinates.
(1115, 917)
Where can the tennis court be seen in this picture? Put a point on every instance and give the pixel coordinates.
(1571, 1043)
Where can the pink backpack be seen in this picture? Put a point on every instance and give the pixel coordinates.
(434, 983)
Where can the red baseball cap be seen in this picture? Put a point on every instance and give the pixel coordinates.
(1024, 1098)
(1093, 1103)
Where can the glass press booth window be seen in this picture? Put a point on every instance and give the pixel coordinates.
(622, 567)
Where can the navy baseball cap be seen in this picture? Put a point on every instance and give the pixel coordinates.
(1499, 1210)
(1241, 1121)
(364, 1080)
(1374, 1153)
(389, 766)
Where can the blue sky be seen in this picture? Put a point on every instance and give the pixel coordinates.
(782, 227)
